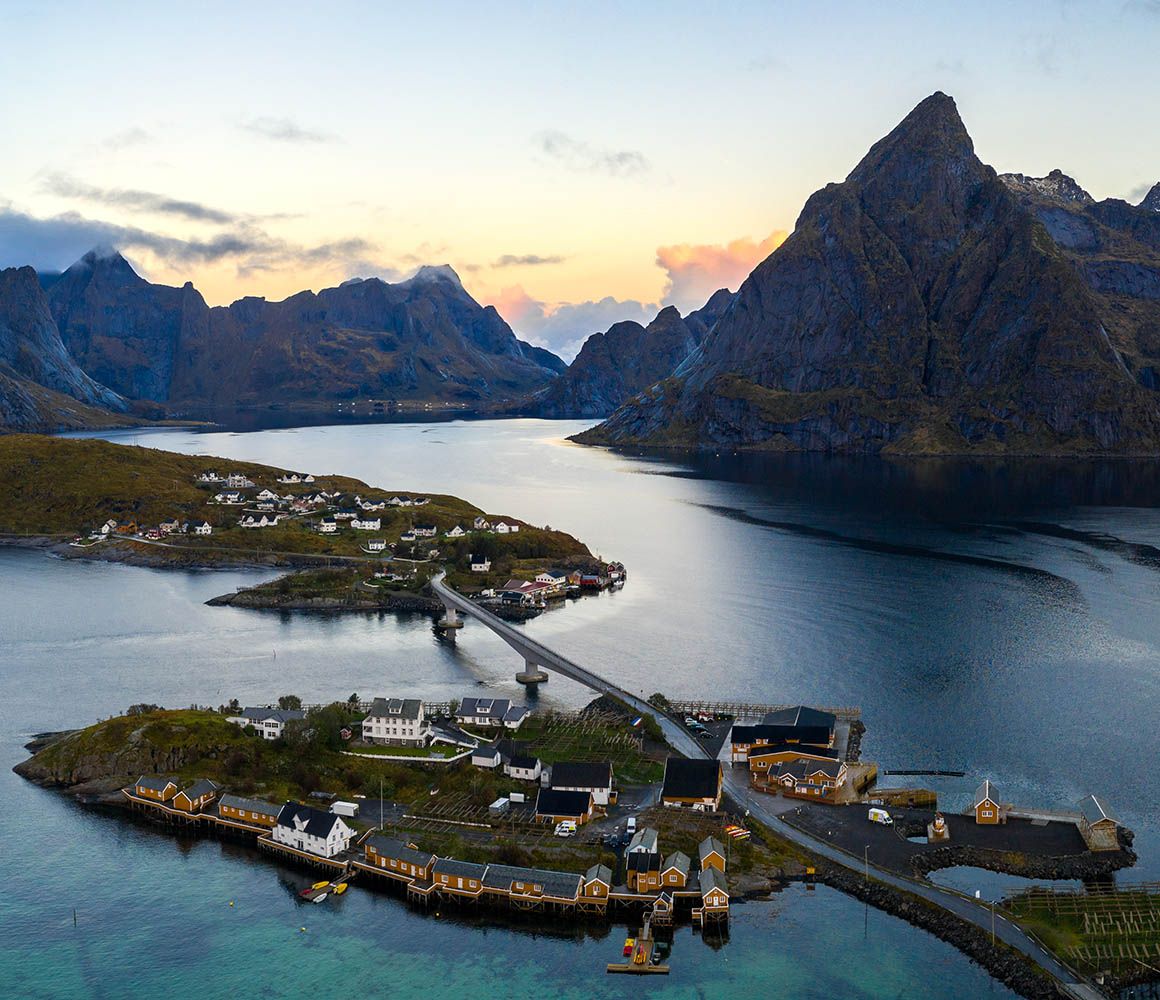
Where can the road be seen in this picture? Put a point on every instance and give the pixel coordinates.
(770, 809)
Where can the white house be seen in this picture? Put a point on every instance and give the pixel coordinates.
(584, 777)
(370, 504)
(231, 497)
(265, 521)
(169, 526)
(481, 524)
(424, 530)
(407, 536)
(376, 544)
(480, 564)
(237, 481)
(268, 495)
(311, 830)
(554, 578)
(522, 768)
(209, 477)
(489, 712)
(399, 501)
(398, 722)
(202, 528)
(456, 532)
(366, 523)
(290, 477)
(270, 722)
(327, 526)
(503, 528)
(486, 756)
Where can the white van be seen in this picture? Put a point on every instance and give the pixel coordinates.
(630, 826)
(880, 816)
(566, 828)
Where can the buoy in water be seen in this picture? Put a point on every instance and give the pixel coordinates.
(303, 929)
(231, 902)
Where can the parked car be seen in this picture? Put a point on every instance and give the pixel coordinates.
(566, 828)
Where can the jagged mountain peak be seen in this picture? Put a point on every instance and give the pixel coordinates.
(933, 130)
(1056, 185)
(106, 261)
(1151, 200)
(430, 273)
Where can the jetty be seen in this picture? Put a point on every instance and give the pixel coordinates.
(642, 954)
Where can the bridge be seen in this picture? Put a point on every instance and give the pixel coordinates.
(764, 808)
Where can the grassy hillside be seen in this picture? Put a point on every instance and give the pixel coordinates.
(55, 486)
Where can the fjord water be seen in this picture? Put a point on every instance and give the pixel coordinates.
(999, 619)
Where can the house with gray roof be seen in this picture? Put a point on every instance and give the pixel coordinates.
(397, 722)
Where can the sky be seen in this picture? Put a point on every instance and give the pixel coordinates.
(576, 164)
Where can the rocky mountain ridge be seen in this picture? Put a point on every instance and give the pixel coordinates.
(423, 339)
(918, 307)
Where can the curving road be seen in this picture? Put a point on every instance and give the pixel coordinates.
(769, 809)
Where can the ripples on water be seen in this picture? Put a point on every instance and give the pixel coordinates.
(999, 619)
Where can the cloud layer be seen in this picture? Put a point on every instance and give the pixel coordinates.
(53, 243)
(285, 130)
(64, 186)
(583, 157)
(696, 270)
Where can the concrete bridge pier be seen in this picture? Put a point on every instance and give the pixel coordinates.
(450, 620)
(532, 674)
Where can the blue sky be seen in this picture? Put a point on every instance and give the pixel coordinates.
(575, 165)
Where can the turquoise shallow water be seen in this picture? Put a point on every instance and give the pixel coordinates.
(824, 581)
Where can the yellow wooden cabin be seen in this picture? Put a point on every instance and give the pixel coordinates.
(988, 810)
(252, 811)
(196, 797)
(152, 787)
(711, 853)
(397, 857)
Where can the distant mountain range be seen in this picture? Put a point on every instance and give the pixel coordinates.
(927, 305)
(421, 339)
(614, 366)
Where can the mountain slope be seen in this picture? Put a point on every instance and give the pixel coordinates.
(1115, 247)
(917, 307)
(421, 339)
(41, 386)
(615, 365)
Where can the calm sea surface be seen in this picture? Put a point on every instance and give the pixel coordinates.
(1002, 620)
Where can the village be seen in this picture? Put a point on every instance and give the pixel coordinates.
(400, 538)
(650, 833)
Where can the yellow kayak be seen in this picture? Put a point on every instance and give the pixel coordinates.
(320, 885)
(340, 889)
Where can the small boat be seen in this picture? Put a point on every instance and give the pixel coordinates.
(340, 888)
(320, 897)
(629, 943)
(320, 885)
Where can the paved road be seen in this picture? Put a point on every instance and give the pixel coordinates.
(766, 808)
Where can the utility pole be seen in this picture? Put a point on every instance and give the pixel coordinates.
(992, 923)
(866, 863)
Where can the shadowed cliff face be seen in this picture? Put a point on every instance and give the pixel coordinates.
(425, 338)
(1115, 247)
(917, 307)
(615, 365)
(39, 380)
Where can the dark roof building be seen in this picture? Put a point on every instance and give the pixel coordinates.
(573, 805)
(398, 708)
(459, 869)
(695, 783)
(249, 805)
(581, 775)
(315, 822)
(390, 847)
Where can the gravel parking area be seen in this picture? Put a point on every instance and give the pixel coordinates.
(848, 828)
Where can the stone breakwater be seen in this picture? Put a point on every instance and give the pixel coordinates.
(1005, 965)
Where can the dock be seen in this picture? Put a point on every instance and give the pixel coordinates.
(641, 961)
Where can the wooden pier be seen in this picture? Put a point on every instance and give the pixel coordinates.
(754, 710)
(641, 962)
